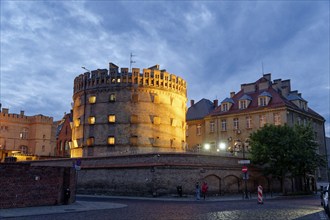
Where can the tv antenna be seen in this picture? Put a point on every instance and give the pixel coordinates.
(262, 67)
(131, 61)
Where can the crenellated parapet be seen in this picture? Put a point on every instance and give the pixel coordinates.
(149, 77)
(21, 118)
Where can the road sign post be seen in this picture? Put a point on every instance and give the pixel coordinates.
(244, 170)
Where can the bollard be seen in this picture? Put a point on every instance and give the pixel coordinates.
(260, 200)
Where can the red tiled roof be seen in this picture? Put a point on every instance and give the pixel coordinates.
(276, 101)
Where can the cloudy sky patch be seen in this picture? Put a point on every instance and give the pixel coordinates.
(214, 45)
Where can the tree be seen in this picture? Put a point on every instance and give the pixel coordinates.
(307, 159)
(271, 147)
(284, 150)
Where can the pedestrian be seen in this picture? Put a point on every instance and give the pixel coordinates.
(205, 187)
(198, 191)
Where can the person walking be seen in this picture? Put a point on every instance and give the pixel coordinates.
(205, 187)
(198, 191)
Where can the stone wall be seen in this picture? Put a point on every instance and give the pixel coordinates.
(23, 185)
(160, 174)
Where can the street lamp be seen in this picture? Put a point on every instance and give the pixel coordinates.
(222, 146)
(85, 69)
(207, 146)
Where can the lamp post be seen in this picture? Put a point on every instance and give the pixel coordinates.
(85, 69)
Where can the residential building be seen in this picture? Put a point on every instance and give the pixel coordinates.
(124, 111)
(255, 105)
(195, 129)
(25, 137)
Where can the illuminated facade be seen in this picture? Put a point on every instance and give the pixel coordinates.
(64, 136)
(25, 137)
(128, 112)
(256, 104)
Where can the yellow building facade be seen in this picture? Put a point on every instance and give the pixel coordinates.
(25, 137)
(226, 129)
(128, 112)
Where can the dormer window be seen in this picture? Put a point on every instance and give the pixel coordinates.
(224, 107)
(296, 98)
(244, 101)
(264, 98)
(262, 101)
(226, 104)
(242, 104)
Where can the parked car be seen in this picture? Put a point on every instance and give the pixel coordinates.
(325, 199)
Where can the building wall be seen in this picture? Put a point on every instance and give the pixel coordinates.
(64, 136)
(28, 135)
(195, 135)
(149, 110)
(230, 136)
(23, 185)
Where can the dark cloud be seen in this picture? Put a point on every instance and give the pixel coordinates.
(214, 45)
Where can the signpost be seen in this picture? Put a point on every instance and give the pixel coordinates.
(244, 171)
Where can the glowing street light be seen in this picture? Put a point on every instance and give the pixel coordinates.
(222, 146)
(207, 146)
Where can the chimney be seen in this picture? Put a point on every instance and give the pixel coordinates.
(192, 102)
(215, 103)
(22, 113)
(232, 94)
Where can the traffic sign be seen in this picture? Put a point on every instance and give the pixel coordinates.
(244, 169)
(244, 162)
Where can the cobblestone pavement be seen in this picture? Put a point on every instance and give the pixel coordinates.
(299, 208)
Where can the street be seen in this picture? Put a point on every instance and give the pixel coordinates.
(299, 207)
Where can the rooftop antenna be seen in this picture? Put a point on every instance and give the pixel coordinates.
(262, 67)
(131, 61)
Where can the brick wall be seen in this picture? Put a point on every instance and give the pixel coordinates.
(23, 185)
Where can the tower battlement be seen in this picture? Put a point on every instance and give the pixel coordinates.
(123, 110)
(149, 77)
